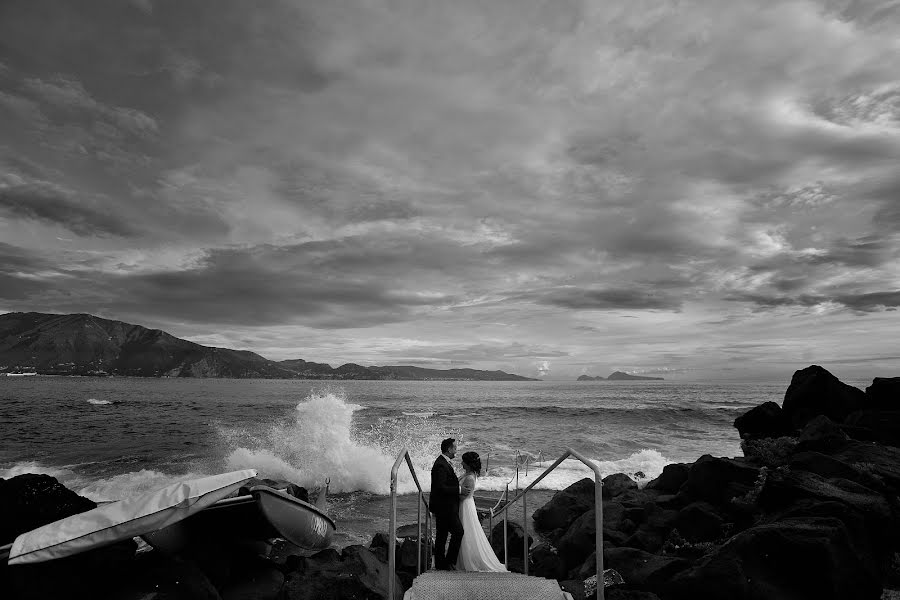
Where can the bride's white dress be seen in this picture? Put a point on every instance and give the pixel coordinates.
(475, 553)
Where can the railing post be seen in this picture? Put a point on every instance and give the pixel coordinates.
(392, 536)
(598, 524)
(505, 549)
(419, 536)
(525, 528)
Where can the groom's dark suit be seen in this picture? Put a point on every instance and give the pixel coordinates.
(444, 503)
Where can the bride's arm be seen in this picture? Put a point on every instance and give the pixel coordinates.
(466, 486)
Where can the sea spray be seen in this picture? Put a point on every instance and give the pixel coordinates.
(320, 442)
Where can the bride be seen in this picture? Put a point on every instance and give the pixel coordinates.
(476, 553)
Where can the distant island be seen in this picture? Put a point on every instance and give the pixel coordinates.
(82, 344)
(619, 376)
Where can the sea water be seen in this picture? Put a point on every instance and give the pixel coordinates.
(108, 438)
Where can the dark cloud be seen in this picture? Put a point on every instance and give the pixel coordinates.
(18, 267)
(607, 299)
(52, 204)
(859, 302)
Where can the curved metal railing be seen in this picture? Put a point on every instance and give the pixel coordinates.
(598, 514)
(392, 534)
(506, 503)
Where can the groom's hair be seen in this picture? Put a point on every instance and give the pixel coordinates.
(445, 445)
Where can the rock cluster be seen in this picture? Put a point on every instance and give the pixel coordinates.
(810, 511)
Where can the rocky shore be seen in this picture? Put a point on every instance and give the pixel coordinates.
(810, 511)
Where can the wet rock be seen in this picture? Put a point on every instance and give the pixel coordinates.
(811, 558)
(642, 569)
(617, 484)
(828, 467)
(545, 562)
(764, 421)
(566, 506)
(580, 539)
(256, 580)
(718, 480)
(814, 391)
(671, 479)
(356, 573)
(699, 522)
(28, 501)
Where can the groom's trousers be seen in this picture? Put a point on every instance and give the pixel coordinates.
(447, 522)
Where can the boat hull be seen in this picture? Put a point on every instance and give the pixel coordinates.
(299, 522)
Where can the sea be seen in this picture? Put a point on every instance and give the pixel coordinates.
(109, 438)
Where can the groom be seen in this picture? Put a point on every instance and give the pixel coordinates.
(444, 503)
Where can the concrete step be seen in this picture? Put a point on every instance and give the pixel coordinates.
(466, 585)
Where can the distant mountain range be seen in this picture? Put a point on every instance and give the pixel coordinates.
(619, 376)
(82, 344)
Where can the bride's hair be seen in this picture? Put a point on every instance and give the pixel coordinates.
(473, 461)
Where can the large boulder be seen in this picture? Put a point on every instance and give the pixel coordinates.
(764, 421)
(355, 573)
(566, 506)
(815, 391)
(699, 522)
(580, 539)
(718, 480)
(671, 479)
(821, 434)
(29, 501)
(882, 426)
(884, 393)
(639, 569)
(545, 562)
(617, 484)
(812, 558)
(828, 466)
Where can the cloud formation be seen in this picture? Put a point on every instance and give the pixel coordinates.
(519, 184)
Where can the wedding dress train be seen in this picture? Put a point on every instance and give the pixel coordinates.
(475, 553)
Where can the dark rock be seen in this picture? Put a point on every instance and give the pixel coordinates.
(580, 539)
(882, 462)
(566, 506)
(882, 426)
(646, 538)
(28, 501)
(718, 480)
(545, 562)
(789, 560)
(256, 581)
(828, 466)
(821, 434)
(815, 391)
(410, 531)
(357, 573)
(783, 489)
(699, 522)
(623, 594)
(764, 421)
(671, 479)
(884, 393)
(642, 569)
(379, 540)
(515, 539)
(616, 484)
(575, 587)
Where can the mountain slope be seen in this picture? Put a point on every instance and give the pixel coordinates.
(83, 344)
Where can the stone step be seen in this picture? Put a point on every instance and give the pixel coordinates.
(466, 585)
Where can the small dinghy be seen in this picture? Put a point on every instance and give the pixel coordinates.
(263, 512)
(124, 519)
(298, 522)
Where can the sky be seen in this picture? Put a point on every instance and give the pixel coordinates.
(680, 188)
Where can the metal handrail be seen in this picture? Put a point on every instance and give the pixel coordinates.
(392, 534)
(598, 514)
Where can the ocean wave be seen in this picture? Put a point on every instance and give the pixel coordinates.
(422, 415)
(94, 401)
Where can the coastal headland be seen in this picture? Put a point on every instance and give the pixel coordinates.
(809, 511)
(82, 344)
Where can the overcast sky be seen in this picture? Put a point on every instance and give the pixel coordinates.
(548, 187)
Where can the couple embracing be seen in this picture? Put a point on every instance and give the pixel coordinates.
(453, 505)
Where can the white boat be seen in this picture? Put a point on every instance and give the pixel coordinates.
(21, 374)
(124, 519)
(262, 514)
(299, 522)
